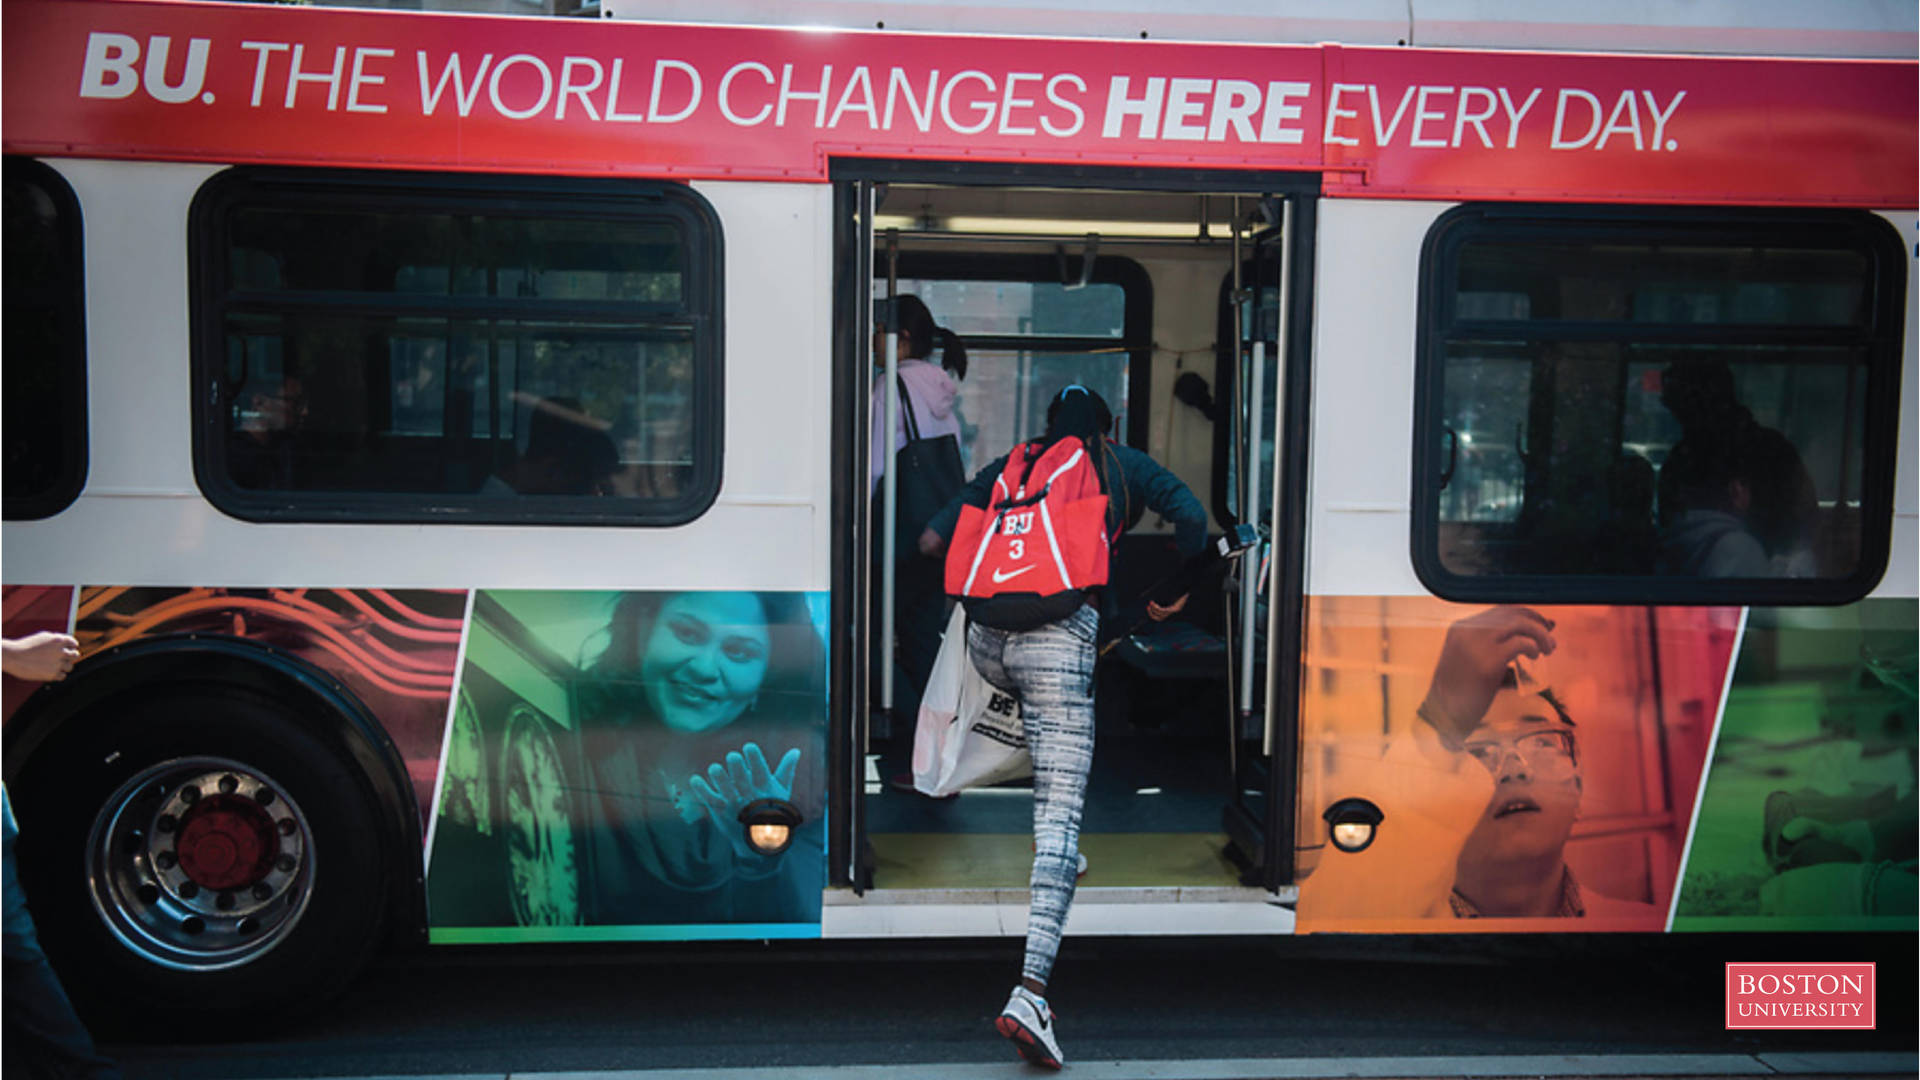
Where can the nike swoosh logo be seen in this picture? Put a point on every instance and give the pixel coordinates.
(1000, 578)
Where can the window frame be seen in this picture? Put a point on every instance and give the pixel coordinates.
(699, 313)
(70, 316)
(1136, 337)
(1879, 339)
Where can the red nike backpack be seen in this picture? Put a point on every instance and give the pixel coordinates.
(1027, 558)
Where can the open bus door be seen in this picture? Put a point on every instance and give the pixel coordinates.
(1193, 779)
(1264, 308)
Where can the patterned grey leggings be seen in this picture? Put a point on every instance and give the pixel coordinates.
(1050, 669)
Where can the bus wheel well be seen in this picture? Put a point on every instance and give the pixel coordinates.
(110, 767)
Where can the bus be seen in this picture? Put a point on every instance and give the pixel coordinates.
(448, 437)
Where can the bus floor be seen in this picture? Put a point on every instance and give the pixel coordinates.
(1152, 819)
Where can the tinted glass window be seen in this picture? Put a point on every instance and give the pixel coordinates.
(1027, 308)
(45, 343)
(1026, 338)
(462, 351)
(1657, 408)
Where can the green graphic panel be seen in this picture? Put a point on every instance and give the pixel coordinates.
(1808, 820)
(602, 749)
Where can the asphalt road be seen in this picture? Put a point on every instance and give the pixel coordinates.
(763, 1008)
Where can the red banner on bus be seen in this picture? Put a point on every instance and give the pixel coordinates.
(178, 81)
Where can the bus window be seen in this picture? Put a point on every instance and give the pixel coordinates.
(45, 328)
(436, 349)
(1655, 407)
(1027, 335)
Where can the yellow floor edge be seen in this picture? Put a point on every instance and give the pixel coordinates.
(1005, 860)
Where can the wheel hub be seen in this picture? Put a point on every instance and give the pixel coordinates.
(200, 863)
(227, 842)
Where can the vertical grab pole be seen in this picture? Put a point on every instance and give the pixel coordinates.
(1250, 502)
(846, 765)
(1235, 720)
(1284, 302)
(888, 481)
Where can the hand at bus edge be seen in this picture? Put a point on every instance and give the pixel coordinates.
(41, 657)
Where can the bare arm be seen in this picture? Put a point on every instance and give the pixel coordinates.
(42, 657)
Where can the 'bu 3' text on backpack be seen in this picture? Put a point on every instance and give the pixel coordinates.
(1028, 558)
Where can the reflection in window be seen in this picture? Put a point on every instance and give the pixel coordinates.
(1024, 308)
(538, 363)
(1005, 394)
(1602, 404)
(1486, 406)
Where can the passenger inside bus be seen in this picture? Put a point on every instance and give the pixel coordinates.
(260, 442)
(568, 453)
(1736, 500)
(931, 392)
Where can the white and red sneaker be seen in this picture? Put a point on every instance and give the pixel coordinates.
(1028, 1022)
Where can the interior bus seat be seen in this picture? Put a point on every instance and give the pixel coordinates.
(1152, 668)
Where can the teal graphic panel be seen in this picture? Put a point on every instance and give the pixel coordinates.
(601, 750)
(1808, 820)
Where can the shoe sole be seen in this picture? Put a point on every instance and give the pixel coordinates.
(1032, 1049)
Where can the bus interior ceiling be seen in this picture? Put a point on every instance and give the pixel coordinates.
(999, 265)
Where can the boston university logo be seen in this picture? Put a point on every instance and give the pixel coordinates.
(1835, 995)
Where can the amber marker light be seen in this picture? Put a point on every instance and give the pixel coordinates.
(770, 824)
(1352, 823)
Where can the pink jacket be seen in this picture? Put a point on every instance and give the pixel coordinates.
(933, 395)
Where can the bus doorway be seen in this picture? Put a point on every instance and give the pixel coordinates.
(1113, 283)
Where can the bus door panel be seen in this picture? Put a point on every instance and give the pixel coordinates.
(1265, 373)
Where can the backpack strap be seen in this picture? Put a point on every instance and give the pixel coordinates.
(1108, 453)
(906, 411)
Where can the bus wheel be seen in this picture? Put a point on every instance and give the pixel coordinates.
(200, 858)
(200, 863)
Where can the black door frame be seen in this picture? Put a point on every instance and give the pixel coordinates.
(848, 854)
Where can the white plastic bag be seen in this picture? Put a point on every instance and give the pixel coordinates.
(969, 733)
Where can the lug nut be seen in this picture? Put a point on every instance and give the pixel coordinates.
(229, 784)
(264, 796)
(224, 901)
(287, 826)
(263, 892)
(188, 890)
(189, 795)
(166, 823)
(284, 864)
(165, 860)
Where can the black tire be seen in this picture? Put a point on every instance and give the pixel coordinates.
(133, 935)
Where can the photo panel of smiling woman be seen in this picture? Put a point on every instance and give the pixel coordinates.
(602, 751)
(1531, 765)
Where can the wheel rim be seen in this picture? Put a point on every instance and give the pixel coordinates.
(200, 864)
(542, 872)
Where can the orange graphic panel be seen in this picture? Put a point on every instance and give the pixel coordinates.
(393, 650)
(1530, 766)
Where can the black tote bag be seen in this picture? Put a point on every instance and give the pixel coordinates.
(928, 474)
